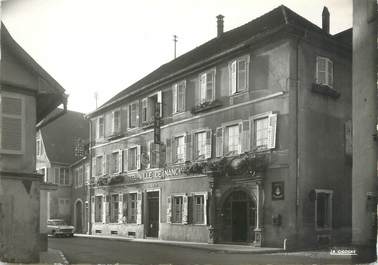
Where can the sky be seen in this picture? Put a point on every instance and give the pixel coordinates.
(102, 47)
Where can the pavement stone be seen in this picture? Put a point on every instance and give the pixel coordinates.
(52, 256)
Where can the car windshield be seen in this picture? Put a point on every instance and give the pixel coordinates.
(57, 222)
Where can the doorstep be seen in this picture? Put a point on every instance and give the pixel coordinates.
(226, 248)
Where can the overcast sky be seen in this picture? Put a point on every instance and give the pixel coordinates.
(105, 46)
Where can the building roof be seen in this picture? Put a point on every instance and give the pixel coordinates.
(60, 137)
(50, 94)
(269, 22)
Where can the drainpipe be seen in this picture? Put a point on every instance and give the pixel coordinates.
(44, 122)
(297, 139)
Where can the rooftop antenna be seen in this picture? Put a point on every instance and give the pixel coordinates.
(96, 97)
(174, 41)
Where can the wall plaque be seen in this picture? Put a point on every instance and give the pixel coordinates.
(278, 191)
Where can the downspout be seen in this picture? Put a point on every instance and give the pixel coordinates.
(297, 140)
(44, 122)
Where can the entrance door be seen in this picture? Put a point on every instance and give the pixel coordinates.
(79, 221)
(153, 214)
(239, 221)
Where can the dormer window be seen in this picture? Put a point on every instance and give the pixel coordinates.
(324, 71)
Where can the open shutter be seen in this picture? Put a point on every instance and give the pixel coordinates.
(174, 97)
(188, 147)
(219, 142)
(138, 157)
(185, 209)
(233, 77)
(120, 208)
(246, 137)
(120, 161)
(103, 164)
(139, 208)
(272, 128)
(174, 150)
(330, 73)
(202, 88)
(190, 209)
(93, 209)
(124, 207)
(152, 154)
(209, 136)
(94, 172)
(240, 137)
(104, 209)
(168, 151)
(108, 164)
(125, 159)
(205, 208)
(169, 209)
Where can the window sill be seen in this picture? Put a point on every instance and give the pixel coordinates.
(323, 229)
(325, 90)
(115, 135)
(238, 93)
(208, 105)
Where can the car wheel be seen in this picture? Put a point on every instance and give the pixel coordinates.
(54, 234)
(72, 235)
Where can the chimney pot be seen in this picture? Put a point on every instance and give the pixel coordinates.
(219, 25)
(325, 20)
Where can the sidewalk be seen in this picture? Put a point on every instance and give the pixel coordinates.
(52, 256)
(226, 248)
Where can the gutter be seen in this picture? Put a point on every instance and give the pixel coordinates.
(48, 120)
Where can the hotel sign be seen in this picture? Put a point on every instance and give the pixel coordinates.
(155, 174)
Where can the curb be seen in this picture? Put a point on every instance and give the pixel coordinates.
(65, 261)
(187, 245)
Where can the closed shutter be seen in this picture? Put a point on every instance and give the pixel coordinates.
(219, 142)
(202, 88)
(188, 147)
(330, 73)
(233, 77)
(209, 136)
(190, 209)
(104, 209)
(321, 70)
(185, 209)
(240, 137)
(124, 207)
(168, 151)
(126, 117)
(11, 124)
(120, 207)
(272, 128)
(153, 154)
(139, 208)
(174, 97)
(169, 209)
(138, 155)
(174, 150)
(205, 208)
(246, 137)
(120, 161)
(137, 114)
(108, 164)
(93, 209)
(103, 164)
(144, 110)
(125, 159)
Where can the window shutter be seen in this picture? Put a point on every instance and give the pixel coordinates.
(94, 172)
(272, 123)
(103, 164)
(104, 209)
(93, 209)
(174, 150)
(126, 117)
(185, 209)
(137, 114)
(330, 73)
(202, 88)
(138, 157)
(174, 96)
(169, 209)
(120, 208)
(219, 142)
(321, 65)
(120, 161)
(208, 143)
(188, 147)
(11, 124)
(205, 200)
(190, 209)
(242, 75)
(233, 78)
(240, 137)
(124, 205)
(246, 137)
(125, 159)
(153, 155)
(144, 110)
(168, 151)
(108, 164)
(113, 121)
(139, 208)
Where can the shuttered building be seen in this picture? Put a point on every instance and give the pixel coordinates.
(239, 140)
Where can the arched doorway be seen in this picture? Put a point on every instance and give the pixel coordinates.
(238, 217)
(79, 217)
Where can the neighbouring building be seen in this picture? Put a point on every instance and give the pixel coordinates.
(58, 145)
(28, 96)
(245, 138)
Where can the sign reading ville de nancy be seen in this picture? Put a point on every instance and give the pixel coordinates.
(154, 174)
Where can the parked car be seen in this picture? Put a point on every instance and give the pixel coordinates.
(58, 227)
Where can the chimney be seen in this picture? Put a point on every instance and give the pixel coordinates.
(325, 20)
(219, 25)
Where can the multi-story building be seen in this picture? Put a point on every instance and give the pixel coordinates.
(59, 145)
(245, 138)
(28, 95)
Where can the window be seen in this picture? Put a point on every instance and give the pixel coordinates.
(197, 209)
(100, 127)
(133, 115)
(261, 133)
(264, 131)
(39, 147)
(63, 206)
(239, 74)
(207, 86)
(232, 140)
(62, 176)
(199, 145)
(80, 176)
(178, 91)
(99, 162)
(86, 174)
(323, 209)
(114, 164)
(179, 149)
(98, 209)
(12, 120)
(324, 71)
(133, 156)
(131, 207)
(116, 121)
(150, 105)
(177, 209)
(114, 208)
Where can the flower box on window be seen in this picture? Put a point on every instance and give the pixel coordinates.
(325, 90)
(206, 106)
(116, 180)
(102, 181)
(115, 136)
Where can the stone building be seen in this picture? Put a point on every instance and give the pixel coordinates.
(245, 138)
